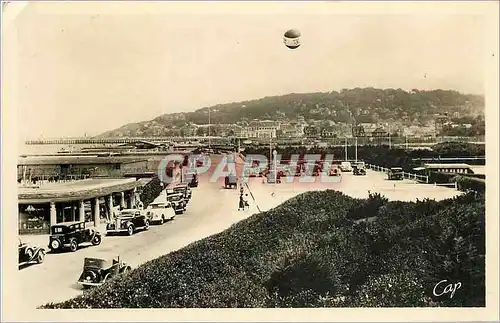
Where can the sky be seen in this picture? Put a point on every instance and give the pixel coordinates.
(88, 71)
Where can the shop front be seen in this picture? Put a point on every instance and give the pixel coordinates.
(34, 218)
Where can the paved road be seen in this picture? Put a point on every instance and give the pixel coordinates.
(211, 210)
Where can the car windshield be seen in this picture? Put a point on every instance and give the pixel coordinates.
(95, 262)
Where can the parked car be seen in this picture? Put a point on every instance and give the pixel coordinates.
(345, 166)
(335, 171)
(178, 202)
(129, 221)
(183, 189)
(191, 178)
(159, 212)
(271, 176)
(252, 172)
(360, 164)
(97, 271)
(357, 170)
(230, 181)
(70, 235)
(30, 254)
(395, 173)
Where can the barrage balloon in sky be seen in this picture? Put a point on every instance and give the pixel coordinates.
(291, 38)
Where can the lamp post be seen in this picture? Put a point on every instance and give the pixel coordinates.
(270, 151)
(209, 128)
(345, 147)
(274, 168)
(356, 149)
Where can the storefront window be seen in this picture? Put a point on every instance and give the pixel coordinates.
(34, 219)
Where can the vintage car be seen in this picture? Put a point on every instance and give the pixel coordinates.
(179, 204)
(191, 178)
(359, 164)
(97, 271)
(345, 166)
(357, 170)
(159, 212)
(395, 173)
(70, 235)
(335, 171)
(129, 221)
(230, 181)
(252, 172)
(183, 189)
(271, 176)
(30, 254)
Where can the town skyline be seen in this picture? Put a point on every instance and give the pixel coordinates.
(110, 70)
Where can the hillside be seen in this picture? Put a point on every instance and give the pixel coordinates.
(364, 104)
(312, 251)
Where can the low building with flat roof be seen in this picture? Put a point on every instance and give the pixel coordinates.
(88, 200)
(450, 168)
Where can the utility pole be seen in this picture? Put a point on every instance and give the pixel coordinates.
(345, 146)
(209, 128)
(274, 171)
(356, 150)
(270, 151)
(390, 144)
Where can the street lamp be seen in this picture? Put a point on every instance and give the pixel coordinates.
(345, 147)
(356, 149)
(274, 168)
(209, 127)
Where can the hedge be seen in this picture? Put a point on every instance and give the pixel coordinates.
(150, 191)
(311, 252)
(464, 182)
(384, 156)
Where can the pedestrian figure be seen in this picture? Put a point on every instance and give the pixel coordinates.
(241, 204)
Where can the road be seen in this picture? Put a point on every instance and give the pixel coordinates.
(212, 209)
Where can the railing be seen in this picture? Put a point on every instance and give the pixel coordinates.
(410, 176)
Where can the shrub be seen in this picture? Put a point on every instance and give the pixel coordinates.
(309, 252)
(150, 191)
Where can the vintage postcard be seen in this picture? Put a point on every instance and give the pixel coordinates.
(250, 161)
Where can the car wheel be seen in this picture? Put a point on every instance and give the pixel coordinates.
(29, 253)
(55, 244)
(96, 240)
(41, 257)
(73, 245)
(130, 229)
(146, 225)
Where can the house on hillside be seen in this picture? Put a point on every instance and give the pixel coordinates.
(378, 132)
(312, 131)
(329, 132)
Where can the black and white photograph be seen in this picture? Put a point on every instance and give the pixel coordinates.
(284, 156)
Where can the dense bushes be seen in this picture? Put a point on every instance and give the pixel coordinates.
(150, 191)
(383, 156)
(309, 252)
(469, 183)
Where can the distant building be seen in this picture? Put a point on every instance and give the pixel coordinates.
(260, 129)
